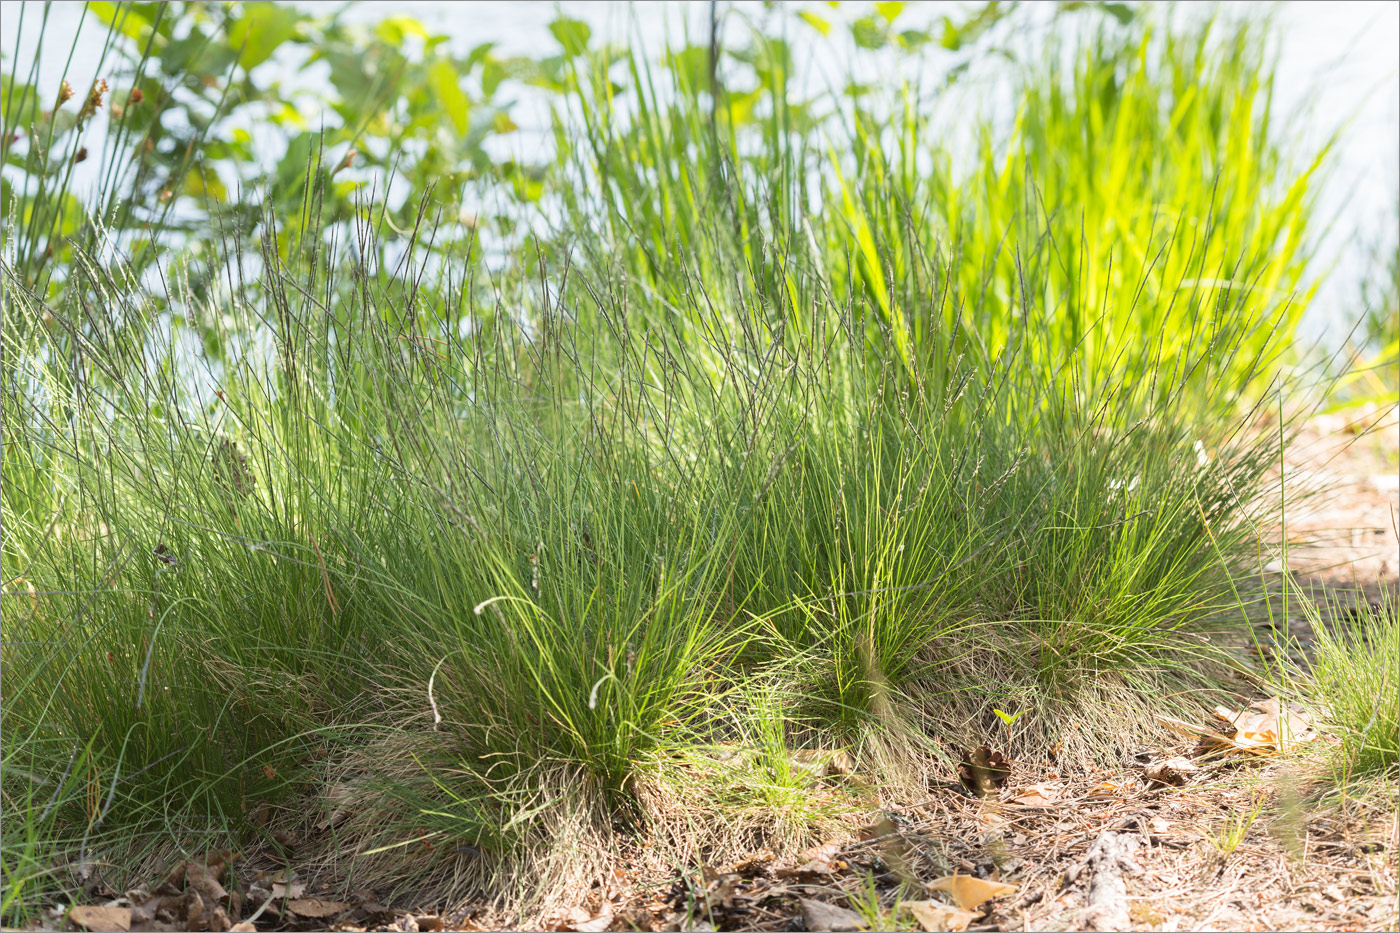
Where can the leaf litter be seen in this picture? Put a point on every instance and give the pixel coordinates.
(1008, 847)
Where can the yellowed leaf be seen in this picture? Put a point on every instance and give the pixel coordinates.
(939, 918)
(1113, 788)
(970, 892)
(1265, 728)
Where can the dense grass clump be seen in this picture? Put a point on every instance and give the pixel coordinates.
(466, 580)
(546, 562)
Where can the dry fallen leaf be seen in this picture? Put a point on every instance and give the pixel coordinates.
(279, 885)
(822, 853)
(1037, 795)
(819, 915)
(316, 908)
(970, 892)
(204, 879)
(991, 821)
(102, 919)
(339, 796)
(1172, 772)
(894, 849)
(820, 762)
(1266, 727)
(883, 828)
(939, 918)
(984, 771)
(818, 861)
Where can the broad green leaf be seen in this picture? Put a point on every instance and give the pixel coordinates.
(573, 34)
(872, 270)
(914, 38)
(262, 27)
(19, 103)
(867, 33)
(1120, 11)
(203, 183)
(396, 28)
(889, 9)
(132, 20)
(492, 74)
(478, 54)
(692, 66)
(287, 115)
(442, 77)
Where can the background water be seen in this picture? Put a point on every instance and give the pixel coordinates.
(1339, 69)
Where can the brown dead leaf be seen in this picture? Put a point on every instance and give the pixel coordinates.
(573, 916)
(970, 892)
(102, 919)
(819, 860)
(315, 908)
(895, 850)
(579, 920)
(243, 927)
(279, 885)
(1037, 795)
(819, 915)
(939, 918)
(203, 878)
(195, 913)
(1115, 787)
(991, 821)
(984, 771)
(1266, 727)
(822, 853)
(339, 797)
(1170, 772)
(883, 828)
(812, 868)
(820, 762)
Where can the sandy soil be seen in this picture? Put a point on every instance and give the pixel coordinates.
(1344, 534)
